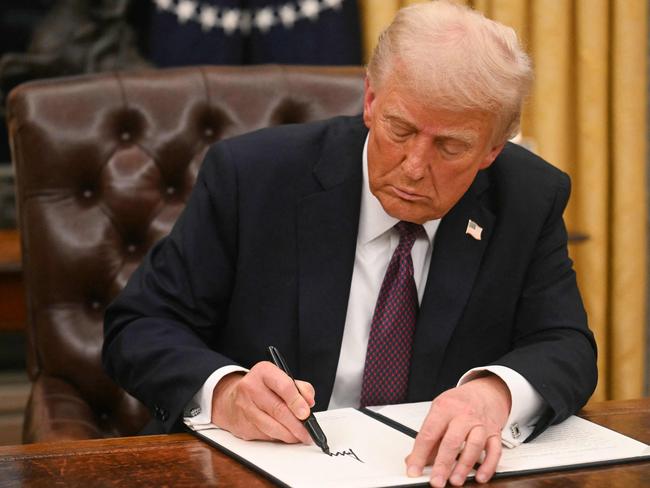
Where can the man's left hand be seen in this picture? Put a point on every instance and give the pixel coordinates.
(461, 424)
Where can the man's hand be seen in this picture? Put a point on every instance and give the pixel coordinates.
(461, 424)
(263, 404)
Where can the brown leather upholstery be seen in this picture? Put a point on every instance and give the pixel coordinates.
(104, 165)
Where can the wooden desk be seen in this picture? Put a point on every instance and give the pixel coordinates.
(182, 460)
(12, 290)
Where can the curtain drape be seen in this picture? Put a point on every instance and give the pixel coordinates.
(587, 115)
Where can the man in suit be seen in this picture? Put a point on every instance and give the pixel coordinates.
(408, 255)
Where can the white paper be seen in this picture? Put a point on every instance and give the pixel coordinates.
(370, 454)
(574, 441)
(410, 415)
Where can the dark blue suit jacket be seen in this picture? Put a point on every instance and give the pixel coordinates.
(264, 251)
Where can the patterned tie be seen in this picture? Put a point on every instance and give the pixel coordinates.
(388, 358)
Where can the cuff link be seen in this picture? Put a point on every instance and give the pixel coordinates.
(191, 410)
(514, 430)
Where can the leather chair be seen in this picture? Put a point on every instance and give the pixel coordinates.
(104, 164)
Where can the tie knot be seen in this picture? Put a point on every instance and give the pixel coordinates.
(408, 232)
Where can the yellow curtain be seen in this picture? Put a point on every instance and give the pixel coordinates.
(587, 115)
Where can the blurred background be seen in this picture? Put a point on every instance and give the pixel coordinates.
(587, 115)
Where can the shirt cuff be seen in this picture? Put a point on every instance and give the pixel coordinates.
(198, 413)
(527, 404)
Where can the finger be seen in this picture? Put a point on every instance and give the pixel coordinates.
(470, 455)
(244, 428)
(284, 387)
(425, 446)
(275, 407)
(493, 451)
(250, 432)
(268, 427)
(307, 391)
(256, 394)
(450, 446)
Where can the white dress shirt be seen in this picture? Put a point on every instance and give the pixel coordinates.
(376, 241)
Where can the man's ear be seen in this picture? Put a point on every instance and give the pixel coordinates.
(368, 99)
(492, 155)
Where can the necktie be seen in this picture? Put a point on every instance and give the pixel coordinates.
(388, 357)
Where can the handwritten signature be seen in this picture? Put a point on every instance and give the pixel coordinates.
(349, 452)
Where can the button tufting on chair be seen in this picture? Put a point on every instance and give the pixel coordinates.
(104, 164)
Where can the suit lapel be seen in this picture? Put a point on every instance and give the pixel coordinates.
(455, 261)
(327, 232)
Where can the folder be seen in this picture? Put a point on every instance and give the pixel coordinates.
(368, 447)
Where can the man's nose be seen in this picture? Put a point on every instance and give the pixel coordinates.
(417, 160)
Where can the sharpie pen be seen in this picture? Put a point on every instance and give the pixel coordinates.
(310, 422)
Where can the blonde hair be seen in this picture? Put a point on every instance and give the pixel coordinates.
(452, 57)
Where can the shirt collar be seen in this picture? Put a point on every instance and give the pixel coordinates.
(373, 219)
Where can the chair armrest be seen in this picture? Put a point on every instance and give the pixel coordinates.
(56, 411)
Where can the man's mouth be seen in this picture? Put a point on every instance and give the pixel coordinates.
(407, 195)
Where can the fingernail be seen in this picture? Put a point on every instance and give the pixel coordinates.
(456, 479)
(413, 471)
(438, 482)
(481, 478)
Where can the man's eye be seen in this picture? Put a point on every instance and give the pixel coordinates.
(453, 150)
(400, 132)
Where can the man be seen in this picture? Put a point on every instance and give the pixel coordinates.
(325, 239)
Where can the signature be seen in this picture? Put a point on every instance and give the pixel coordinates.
(349, 452)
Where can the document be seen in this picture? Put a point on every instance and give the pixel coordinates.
(573, 443)
(368, 448)
(364, 453)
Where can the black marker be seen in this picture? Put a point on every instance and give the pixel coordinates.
(310, 422)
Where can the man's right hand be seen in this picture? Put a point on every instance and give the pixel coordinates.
(263, 404)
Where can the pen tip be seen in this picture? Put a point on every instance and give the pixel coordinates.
(326, 450)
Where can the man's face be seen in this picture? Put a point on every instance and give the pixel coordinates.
(421, 161)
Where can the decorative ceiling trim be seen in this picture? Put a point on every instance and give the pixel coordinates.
(231, 20)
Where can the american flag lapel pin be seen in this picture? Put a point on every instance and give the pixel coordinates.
(474, 230)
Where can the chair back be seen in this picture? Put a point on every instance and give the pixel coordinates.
(104, 165)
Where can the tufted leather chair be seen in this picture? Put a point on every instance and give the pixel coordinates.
(104, 164)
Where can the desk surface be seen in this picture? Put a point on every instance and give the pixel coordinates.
(181, 460)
